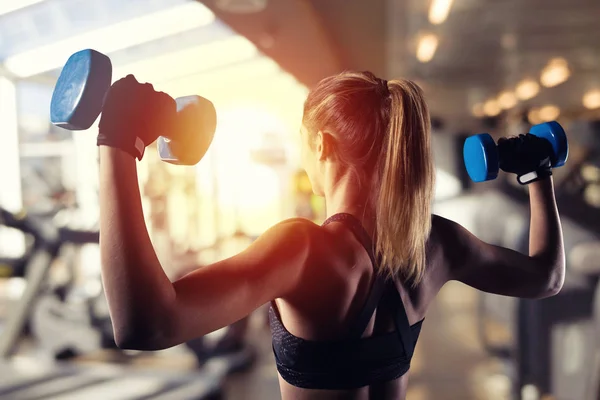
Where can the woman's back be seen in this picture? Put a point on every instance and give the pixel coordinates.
(338, 283)
(366, 148)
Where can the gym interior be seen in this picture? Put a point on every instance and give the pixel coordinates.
(486, 66)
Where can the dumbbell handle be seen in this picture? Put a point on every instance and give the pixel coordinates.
(542, 170)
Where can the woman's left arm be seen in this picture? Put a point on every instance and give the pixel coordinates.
(148, 311)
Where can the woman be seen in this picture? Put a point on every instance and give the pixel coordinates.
(348, 297)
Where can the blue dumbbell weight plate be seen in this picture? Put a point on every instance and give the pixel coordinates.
(79, 92)
(555, 134)
(481, 157)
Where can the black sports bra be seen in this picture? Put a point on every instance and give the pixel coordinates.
(351, 362)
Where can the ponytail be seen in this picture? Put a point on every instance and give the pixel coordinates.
(407, 177)
(382, 134)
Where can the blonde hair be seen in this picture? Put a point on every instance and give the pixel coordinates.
(381, 131)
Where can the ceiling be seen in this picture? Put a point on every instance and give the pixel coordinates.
(485, 46)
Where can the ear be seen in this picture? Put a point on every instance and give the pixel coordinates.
(323, 145)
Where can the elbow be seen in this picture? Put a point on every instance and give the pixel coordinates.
(142, 335)
(130, 341)
(553, 282)
(139, 339)
(127, 342)
(142, 328)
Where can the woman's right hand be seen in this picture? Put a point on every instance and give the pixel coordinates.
(134, 113)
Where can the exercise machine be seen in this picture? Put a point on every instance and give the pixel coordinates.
(38, 378)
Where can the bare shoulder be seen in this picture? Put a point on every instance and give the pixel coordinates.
(450, 235)
(291, 236)
(329, 253)
(298, 248)
(449, 246)
(293, 241)
(291, 233)
(443, 225)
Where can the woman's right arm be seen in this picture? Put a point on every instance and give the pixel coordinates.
(503, 271)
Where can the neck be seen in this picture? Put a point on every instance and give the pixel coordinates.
(343, 195)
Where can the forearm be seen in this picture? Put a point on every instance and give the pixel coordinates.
(545, 233)
(137, 289)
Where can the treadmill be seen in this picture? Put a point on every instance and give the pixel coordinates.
(27, 378)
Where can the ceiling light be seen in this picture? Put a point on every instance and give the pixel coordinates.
(549, 113)
(590, 173)
(533, 116)
(477, 110)
(591, 99)
(507, 100)
(491, 108)
(438, 11)
(427, 47)
(191, 61)
(8, 6)
(527, 89)
(112, 38)
(592, 195)
(555, 73)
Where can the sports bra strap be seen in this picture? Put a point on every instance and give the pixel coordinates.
(393, 299)
(360, 324)
(362, 321)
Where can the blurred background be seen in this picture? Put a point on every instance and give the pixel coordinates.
(496, 66)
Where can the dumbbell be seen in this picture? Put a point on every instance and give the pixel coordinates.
(482, 159)
(79, 94)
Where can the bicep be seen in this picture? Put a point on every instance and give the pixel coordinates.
(490, 268)
(219, 294)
